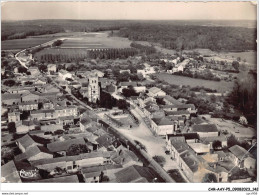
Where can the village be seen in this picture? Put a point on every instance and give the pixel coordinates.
(64, 124)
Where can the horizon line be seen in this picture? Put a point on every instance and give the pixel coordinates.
(4, 20)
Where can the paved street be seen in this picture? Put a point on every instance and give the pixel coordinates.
(154, 145)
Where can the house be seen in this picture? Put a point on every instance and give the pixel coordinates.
(242, 158)
(146, 71)
(135, 174)
(43, 114)
(169, 100)
(48, 89)
(95, 174)
(9, 173)
(200, 148)
(105, 141)
(124, 85)
(122, 71)
(14, 117)
(34, 71)
(154, 91)
(26, 142)
(106, 82)
(62, 146)
(206, 130)
(72, 163)
(28, 106)
(26, 126)
(189, 137)
(85, 123)
(21, 90)
(31, 97)
(187, 107)
(63, 179)
(125, 157)
(111, 88)
(151, 110)
(62, 111)
(63, 74)
(41, 81)
(209, 140)
(34, 153)
(52, 68)
(10, 99)
(180, 113)
(221, 155)
(162, 126)
(193, 166)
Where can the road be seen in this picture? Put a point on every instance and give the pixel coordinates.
(42, 45)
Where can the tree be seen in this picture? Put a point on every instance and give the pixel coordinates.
(43, 68)
(122, 104)
(11, 127)
(25, 115)
(76, 149)
(128, 92)
(160, 101)
(22, 69)
(232, 141)
(28, 83)
(209, 178)
(216, 144)
(160, 160)
(9, 83)
(235, 65)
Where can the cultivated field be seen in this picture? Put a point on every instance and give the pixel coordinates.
(95, 41)
(220, 86)
(23, 43)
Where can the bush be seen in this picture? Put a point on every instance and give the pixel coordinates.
(160, 160)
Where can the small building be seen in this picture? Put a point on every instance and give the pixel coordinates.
(14, 117)
(52, 68)
(26, 142)
(63, 74)
(28, 106)
(63, 179)
(9, 173)
(162, 126)
(206, 130)
(135, 174)
(34, 153)
(26, 126)
(11, 99)
(242, 158)
(154, 92)
(34, 71)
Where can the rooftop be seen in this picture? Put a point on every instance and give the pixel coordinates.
(134, 174)
(205, 128)
(64, 145)
(240, 152)
(31, 152)
(64, 179)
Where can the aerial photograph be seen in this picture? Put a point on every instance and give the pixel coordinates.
(128, 92)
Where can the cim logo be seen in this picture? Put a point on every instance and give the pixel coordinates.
(28, 173)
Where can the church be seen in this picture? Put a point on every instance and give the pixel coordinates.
(92, 91)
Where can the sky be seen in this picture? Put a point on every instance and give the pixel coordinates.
(129, 10)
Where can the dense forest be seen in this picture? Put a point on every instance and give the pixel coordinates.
(190, 37)
(170, 34)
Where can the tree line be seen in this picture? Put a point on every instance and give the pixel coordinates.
(182, 37)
